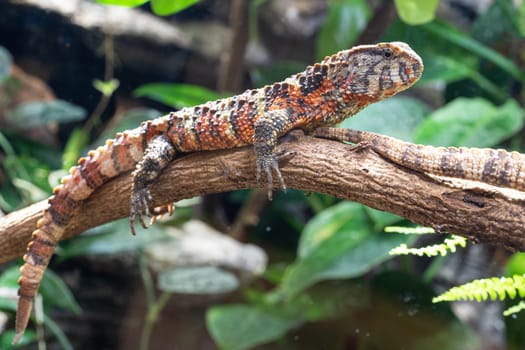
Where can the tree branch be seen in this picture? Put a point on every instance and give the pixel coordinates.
(317, 166)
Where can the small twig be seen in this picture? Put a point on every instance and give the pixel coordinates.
(383, 16)
(232, 60)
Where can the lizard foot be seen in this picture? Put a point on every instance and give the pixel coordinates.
(270, 164)
(139, 207)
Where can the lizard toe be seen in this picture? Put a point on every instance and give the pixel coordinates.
(139, 207)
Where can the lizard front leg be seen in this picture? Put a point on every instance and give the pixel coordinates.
(268, 128)
(158, 154)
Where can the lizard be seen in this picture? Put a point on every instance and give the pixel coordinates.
(323, 94)
(495, 167)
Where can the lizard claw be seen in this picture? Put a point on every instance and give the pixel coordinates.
(139, 207)
(268, 165)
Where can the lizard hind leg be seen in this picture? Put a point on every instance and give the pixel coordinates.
(159, 152)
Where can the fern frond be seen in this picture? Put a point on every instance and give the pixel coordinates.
(409, 230)
(514, 309)
(486, 288)
(449, 245)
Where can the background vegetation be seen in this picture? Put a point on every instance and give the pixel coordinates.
(331, 282)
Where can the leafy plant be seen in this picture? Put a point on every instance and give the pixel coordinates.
(493, 288)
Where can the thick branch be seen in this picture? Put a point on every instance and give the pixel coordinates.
(318, 166)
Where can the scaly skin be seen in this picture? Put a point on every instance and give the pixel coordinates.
(491, 166)
(323, 95)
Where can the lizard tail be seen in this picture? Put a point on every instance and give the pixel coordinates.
(496, 167)
(117, 156)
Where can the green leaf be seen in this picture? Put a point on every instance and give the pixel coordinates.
(177, 95)
(447, 68)
(107, 88)
(347, 217)
(52, 288)
(76, 143)
(345, 20)
(516, 265)
(9, 278)
(335, 247)
(40, 113)
(111, 238)
(398, 117)
(6, 339)
(170, 7)
(57, 293)
(126, 3)
(471, 122)
(381, 218)
(5, 65)
(416, 11)
(58, 333)
(199, 280)
(454, 36)
(237, 327)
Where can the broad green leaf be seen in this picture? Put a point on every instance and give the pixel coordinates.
(338, 258)
(6, 339)
(447, 68)
(381, 218)
(9, 281)
(237, 327)
(520, 18)
(501, 12)
(76, 143)
(197, 280)
(473, 122)
(9, 278)
(111, 238)
(336, 247)
(52, 288)
(345, 217)
(416, 11)
(454, 36)
(397, 117)
(343, 24)
(177, 95)
(170, 7)
(40, 113)
(58, 333)
(126, 3)
(5, 65)
(516, 265)
(57, 293)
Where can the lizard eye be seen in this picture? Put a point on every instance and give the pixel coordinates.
(387, 53)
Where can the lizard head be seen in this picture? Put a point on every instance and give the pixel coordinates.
(370, 73)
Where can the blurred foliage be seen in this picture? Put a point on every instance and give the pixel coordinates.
(342, 267)
(159, 7)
